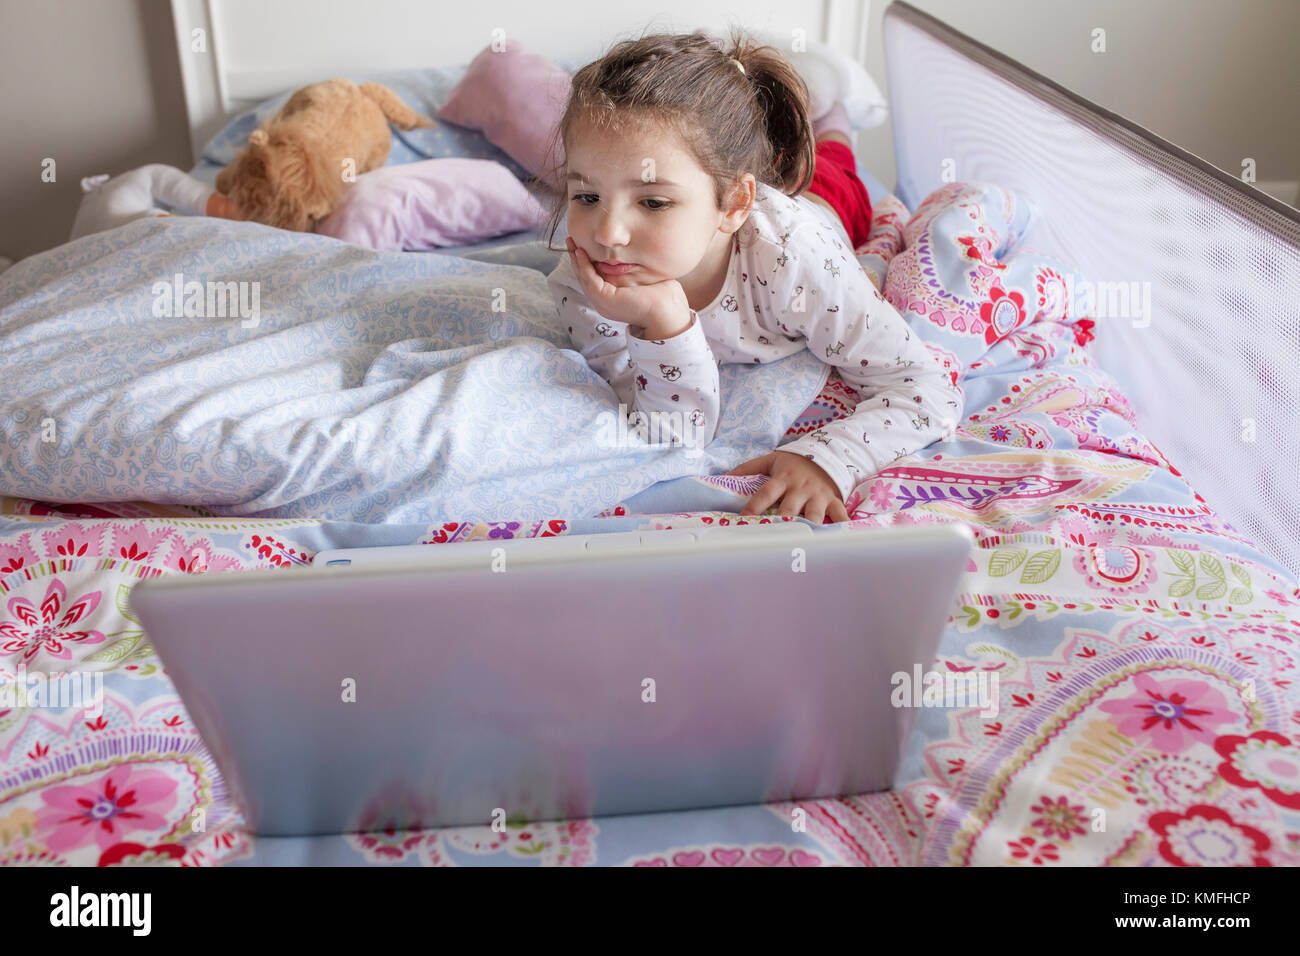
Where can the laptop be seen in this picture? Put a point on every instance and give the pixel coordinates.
(572, 676)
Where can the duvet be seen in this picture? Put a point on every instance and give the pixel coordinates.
(254, 371)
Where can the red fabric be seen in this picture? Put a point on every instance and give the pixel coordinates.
(835, 179)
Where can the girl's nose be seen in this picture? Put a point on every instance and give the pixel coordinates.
(610, 231)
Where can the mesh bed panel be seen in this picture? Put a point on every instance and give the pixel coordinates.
(1213, 367)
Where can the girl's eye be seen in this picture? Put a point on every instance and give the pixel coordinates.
(660, 204)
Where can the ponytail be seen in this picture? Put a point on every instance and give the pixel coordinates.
(782, 99)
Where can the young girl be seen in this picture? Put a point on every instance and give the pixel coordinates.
(692, 241)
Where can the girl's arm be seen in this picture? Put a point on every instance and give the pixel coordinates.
(668, 387)
(907, 401)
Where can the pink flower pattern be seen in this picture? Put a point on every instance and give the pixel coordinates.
(124, 800)
(49, 627)
(1170, 717)
(882, 493)
(1059, 818)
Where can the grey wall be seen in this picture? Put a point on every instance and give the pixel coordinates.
(95, 85)
(1220, 78)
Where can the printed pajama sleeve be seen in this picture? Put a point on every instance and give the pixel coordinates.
(669, 387)
(907, 401)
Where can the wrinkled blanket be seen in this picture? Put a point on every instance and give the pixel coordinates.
(254, 371)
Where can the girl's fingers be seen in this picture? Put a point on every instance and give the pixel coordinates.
(595, 283)
(819, 506)
(764, 498)
(834, 508)
(792, 504)
(581, 264)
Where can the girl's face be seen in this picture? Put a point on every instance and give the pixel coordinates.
(639, 198)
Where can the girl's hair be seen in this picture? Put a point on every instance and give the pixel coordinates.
(732, 122)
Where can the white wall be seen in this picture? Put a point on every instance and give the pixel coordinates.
(95, 84)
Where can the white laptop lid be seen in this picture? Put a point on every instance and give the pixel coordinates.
(727, 669)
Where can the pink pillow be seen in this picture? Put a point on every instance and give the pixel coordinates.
(516, 100)
(435, 202)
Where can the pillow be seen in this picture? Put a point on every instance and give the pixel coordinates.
(516, 99)
(423, 90)
(964, 281)
(436, 202)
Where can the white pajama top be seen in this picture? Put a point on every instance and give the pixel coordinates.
(792, 283)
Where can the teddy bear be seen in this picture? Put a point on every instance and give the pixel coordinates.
(293, 171)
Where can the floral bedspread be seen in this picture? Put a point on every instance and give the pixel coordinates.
(1145, 652)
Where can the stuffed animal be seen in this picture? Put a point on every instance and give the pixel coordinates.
(292, 172)
(142, 192)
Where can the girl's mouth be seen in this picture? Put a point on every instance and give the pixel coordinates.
(618, 269)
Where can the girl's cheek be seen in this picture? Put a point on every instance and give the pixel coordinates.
(577, 223)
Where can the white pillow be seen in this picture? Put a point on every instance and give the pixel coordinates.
(833, 76)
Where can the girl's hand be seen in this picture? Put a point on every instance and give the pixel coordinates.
(657, 307)
(798, 483)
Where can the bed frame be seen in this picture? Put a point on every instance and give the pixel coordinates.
(1210, 369)
(253, 50)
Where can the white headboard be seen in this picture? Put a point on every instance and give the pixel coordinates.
(237, 53)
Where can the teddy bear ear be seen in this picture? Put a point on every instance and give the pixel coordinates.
(257, 137)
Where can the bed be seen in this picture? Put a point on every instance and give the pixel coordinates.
(1134, 586)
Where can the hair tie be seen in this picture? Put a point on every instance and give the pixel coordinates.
(740, 66)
